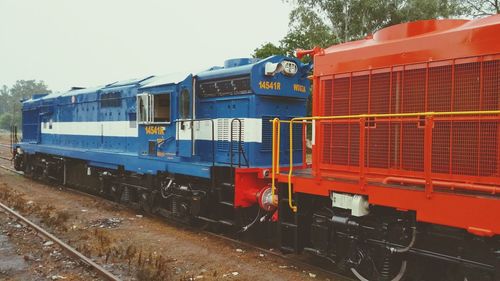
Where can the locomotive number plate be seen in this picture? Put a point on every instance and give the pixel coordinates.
(269, 85)
(155, 130)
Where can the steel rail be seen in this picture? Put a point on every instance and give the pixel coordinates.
(298, 263)
(67, 248)
(11, 170)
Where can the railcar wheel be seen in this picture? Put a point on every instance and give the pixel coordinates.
(365, 268)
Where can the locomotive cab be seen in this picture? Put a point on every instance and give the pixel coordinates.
(162, 109)
(222, 115)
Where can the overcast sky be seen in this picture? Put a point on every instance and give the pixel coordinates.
(92, 42)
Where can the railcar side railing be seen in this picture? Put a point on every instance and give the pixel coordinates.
(403, 148)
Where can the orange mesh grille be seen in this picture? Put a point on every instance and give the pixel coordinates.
(461, 145)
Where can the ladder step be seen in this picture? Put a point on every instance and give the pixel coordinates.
(286, 249)
(206, 219)
(226, 203)
(227, 184)
(314, 251)
(227, 222)
(288, 225)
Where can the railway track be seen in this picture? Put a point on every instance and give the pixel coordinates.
(239, 243)
(5, 145)
(67, 248)
(9, 152)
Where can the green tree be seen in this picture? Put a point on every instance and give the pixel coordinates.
(10, 98)
(347, 20)
(5, 121)
(480, 8)
(4, 98)
(327, 22)
(267, 50)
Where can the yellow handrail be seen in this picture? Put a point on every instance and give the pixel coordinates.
(275, 156)
(313, 118)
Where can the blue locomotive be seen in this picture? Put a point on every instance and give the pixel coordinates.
(191, 146)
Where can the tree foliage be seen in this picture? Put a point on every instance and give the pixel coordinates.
(327, 22)
(480, 8)
(5, 121)
(10, 100)
(268, 49)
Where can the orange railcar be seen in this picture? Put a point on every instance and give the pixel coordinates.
(408, 119)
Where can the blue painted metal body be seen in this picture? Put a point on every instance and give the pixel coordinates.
(100, 125)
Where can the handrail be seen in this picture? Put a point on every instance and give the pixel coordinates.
(275, 156)
(359, 116)
(240, 147)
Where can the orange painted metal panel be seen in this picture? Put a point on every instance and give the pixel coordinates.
(424, 66)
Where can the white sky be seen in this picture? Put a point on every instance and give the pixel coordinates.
(92, 42)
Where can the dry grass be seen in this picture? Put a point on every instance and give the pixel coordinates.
(146, 265)
(97, 242)
(154, 268)
(13, 198)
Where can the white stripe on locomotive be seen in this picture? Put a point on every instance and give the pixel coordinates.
(251, 129)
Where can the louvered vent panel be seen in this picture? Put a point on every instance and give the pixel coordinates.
(267, 133)
(223, 134)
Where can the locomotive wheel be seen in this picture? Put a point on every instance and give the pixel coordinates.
(19, 163)
(115, 192)
(101, 190)
(145, 202)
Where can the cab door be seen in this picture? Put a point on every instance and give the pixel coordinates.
(155, 130)
(185, 124)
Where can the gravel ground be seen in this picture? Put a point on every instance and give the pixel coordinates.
(26, 256)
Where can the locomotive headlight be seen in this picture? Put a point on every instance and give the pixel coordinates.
(289, 68)
(272, 68)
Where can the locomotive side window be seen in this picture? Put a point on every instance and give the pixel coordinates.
(143, 102)
(153, 108)
(184, 104)
(161, 108)
(112, 99)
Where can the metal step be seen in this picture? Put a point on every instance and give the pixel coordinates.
(288, 225)
(226, 203)
(286, 249)
(224, 222)
(227, 222)
(206, 219)
(227, 184)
